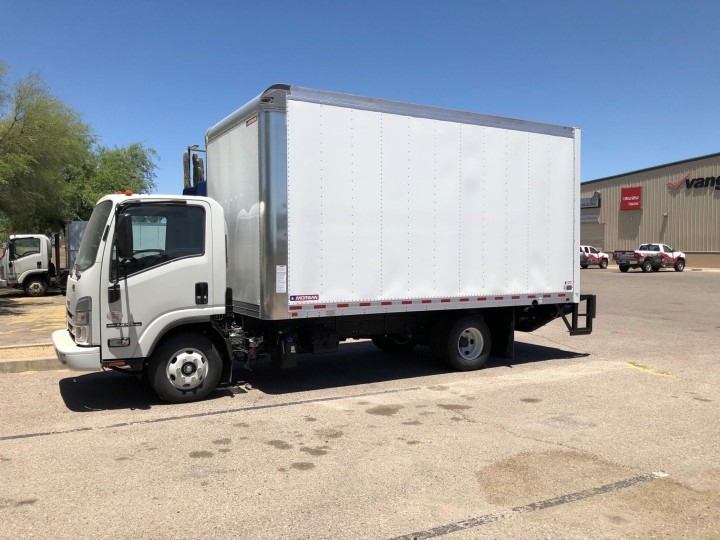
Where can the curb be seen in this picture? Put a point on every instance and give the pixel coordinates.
(35, 364)
(25, 346)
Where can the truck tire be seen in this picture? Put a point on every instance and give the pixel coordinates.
(394, 343)
(680, 265)
(185, 368)
(656, 268)
(604, 264)
(35, 286)
(583, 266)
(465, 344)
(624, 268)
(646, 266)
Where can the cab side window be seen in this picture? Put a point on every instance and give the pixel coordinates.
(25, 246)
(163, 233)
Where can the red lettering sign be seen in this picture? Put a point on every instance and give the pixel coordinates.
(631, 198)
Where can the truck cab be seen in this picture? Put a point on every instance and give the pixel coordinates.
(149, 269)
(26, 263)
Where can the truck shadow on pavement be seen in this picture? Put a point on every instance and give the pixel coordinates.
(16, 303)
(354, 364)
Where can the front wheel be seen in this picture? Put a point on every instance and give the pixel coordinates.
(465, 346)
(680, 265)
(185, 368)
(604, 264)
(36, 287)
(624, 268)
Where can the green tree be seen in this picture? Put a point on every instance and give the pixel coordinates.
(109, 170)
(51, 168)
(40, 138)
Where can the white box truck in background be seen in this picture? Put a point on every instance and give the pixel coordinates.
(26, 262)
(328, 217)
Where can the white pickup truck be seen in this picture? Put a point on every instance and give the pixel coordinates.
(593, 256)
(650, 257)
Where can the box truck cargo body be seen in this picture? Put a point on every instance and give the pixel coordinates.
(353, 217)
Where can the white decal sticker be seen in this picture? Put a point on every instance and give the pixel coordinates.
(280, 279)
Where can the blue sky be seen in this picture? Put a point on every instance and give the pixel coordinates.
(640, 78)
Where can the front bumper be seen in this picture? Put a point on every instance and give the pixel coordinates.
(73, 356)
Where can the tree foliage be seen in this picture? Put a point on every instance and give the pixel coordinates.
(51, 168)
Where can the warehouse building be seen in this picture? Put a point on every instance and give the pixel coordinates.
(677, 204)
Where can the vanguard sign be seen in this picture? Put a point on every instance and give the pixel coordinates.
(695, 183)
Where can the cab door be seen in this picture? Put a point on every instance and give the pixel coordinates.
(164, 280)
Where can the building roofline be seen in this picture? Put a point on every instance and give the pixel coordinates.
(650, 168)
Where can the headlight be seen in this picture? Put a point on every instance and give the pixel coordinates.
(82, 321)
(81, 317)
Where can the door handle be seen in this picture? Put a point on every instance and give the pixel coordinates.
(201, 293)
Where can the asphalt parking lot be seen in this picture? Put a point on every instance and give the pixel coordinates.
(612, 435)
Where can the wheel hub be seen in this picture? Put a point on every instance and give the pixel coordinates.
(187, 369)
(470, 343)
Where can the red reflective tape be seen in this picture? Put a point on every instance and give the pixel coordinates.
(427, 301)
(561, 295)
(445, 300)
(407, 301)
(499, 298)
(464, 299)
(343, 305)
(516, 298)
(364, 304)
(546, 295)
(295, 307)
(294, 314)
(531, 296)
(320, 306)
(482, 299)
(386, 303)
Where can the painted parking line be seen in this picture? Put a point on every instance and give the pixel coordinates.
(646, 369)
(532, 507)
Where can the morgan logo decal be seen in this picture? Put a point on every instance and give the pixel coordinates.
(304, 297)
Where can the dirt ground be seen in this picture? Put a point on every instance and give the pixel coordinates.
(26, 325)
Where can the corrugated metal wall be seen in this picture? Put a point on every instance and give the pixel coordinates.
(685, 219)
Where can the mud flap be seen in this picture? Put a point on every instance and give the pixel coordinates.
(502, 328)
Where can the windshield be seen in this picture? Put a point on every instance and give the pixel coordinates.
(91, 239)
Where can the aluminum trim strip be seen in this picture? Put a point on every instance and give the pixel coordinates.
(423, 111)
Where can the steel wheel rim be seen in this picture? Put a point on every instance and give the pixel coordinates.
(187, 369)
(470, 343)
(35, 287)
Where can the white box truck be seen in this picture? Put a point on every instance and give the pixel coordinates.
(26, 260)
(328, 217)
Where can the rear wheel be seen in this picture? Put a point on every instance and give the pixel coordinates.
(583, 266)
(36, 287)
(604, 264)
(647, 266)
(624, 268)
(465, 345)
(185, 368)
(656, 268)
(395, 343)
(680, 265)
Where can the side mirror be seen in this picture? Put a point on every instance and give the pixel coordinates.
(124, 237)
